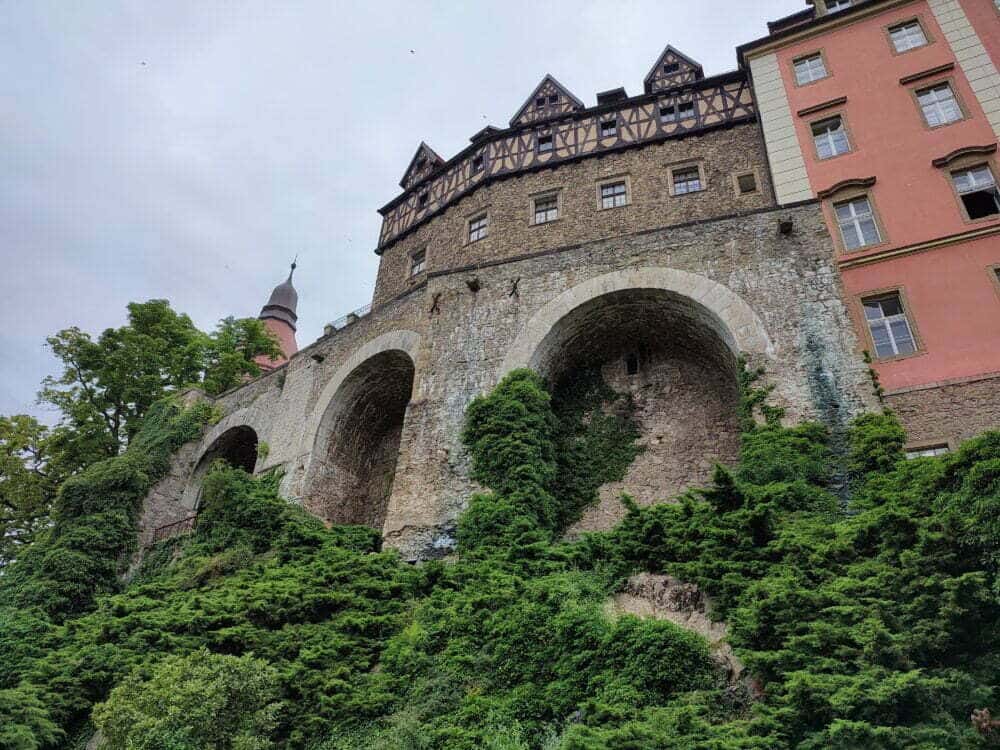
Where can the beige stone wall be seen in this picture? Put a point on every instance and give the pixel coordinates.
(948, 414)
(721, 154)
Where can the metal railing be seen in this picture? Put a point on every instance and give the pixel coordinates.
(184, 526)
(346, 320)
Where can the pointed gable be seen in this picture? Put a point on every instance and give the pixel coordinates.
(549, 99)
(673, 68)
(422, 164)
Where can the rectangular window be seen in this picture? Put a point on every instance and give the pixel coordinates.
(888, 325)
(669, 68)
(609, 128)
(478, 163)
(676, 112)
(809, 69)
(613, 194)
(418, 262)
(746, 183)
(546, 209)
(977, 190)
(907, 36)
(939, 105)
(553, 98)
(835, 6)
(857, 223)
(544, 143)
(540, 101)
(830, 138)
(687, 181)
(478, 227)
(929, 452)
(422, 199)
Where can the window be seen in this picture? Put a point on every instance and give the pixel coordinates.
(540, 101)
(632, 364)
(418, 166)
(675, 112)
(830, 138)
(835, 6)
(422, 199)
(478, 163)
(546, 209)
(888, 325)
(674, 67)
(930, 451)
(939, 105)
(687, 180)
(746, 183)
(613, 195)
(478, 227)
(977, 190)
(609, 128)
(857, 223)
(544, 143)
(907, 36)
(418, 262)
(809, 69)
(553, 98)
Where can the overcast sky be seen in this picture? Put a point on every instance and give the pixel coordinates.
(188, 150)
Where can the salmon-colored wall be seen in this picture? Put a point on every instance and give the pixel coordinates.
(951, 297)
(286, 340)
(985, 19)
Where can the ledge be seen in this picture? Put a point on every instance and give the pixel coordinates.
(927, 73)
(823, 105)
(859, 182)
(958, 153)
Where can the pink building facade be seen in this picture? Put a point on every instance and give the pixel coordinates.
(888, 113)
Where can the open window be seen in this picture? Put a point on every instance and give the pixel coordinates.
(976, 188)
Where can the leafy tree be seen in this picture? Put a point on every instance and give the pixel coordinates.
(27, 482)
(201, 701)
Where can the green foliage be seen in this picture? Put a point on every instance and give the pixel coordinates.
(202, 701)
(874, 626)
(28, 478)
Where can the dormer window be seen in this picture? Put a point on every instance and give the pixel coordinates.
(669, 68)
(478, 163)
(553, 98)
(540, 101)
(609, 128)
(419, 165)
(544, 143)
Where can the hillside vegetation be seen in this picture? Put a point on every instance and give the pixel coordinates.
(873, 625)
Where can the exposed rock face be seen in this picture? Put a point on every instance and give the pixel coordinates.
(664, 597)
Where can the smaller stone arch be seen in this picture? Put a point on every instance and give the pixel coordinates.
(355, 431)
(237, 446)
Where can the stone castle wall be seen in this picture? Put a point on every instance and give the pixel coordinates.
(690, 297)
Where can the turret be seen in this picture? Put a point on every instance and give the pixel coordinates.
(279, 318)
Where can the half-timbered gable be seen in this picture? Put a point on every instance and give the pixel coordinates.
(549, 99)
(673, 68)
(425, 161)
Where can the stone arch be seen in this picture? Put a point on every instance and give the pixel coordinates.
(356, 430)
(236, 445)
(670, 341)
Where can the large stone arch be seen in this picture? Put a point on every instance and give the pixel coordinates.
(234, 444)
(668, 340)
(354, 432)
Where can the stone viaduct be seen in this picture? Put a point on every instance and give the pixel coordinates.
(662, 290)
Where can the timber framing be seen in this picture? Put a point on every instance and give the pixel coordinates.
(720, 101)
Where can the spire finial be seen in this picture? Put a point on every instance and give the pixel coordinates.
(294, 264)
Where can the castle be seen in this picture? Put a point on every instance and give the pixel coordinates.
(827, 211)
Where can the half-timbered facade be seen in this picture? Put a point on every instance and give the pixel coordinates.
(554, 127)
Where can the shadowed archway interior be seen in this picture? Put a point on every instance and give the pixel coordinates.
(236, 446)
(673, 358)
(357, 448)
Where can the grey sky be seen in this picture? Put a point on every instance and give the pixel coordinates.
(188, 150)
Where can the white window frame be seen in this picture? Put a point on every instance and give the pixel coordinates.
(677, 112)
(615, 199)
(835, 6)
(550, 213)
(829, 138)
(418, 262)
(679, 172)
(886, 323)
(479, 227)
(944, 109)
(856, 221)
(805, 69)
(975, 186)
(902, 33)
(928, 451)
(550, 141)
(613, 130)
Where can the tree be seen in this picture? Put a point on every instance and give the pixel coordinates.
(107, 385)
(27, 484)
(202, 701)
